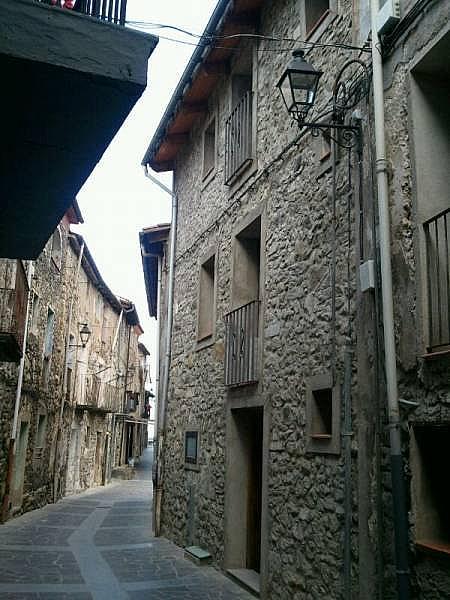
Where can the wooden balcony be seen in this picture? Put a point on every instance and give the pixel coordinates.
(238, 138)
(437, 246)
(13, 309)
(70, 77)
(99, 396)
(241, 345)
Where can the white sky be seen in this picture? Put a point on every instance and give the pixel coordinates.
(117, 201)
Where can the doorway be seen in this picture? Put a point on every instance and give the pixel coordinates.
(244, 494)
(73, 462)
(19, 465)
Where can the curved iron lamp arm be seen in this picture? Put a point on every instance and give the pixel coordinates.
(347, 93)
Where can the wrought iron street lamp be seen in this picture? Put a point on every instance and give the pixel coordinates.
(298, 88)
(85, 335)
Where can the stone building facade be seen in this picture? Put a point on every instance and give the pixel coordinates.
(38, 417)
(62, 415)
(276, 438)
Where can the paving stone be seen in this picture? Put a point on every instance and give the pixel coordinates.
(40, 536)
(108, 537)
(38, 567)
(100, 545)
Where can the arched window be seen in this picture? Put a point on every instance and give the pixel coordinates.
(57, 248)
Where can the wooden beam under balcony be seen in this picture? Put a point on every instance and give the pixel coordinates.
(194, 108)
(177, 138)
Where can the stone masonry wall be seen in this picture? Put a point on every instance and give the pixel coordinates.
(422, 381)
(304, 493)
(42, 383)
(290, 186)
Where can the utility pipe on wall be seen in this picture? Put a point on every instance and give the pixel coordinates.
(167, 351)
(398, 484)
(12, 441)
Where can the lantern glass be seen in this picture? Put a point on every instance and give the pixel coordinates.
(298, 85)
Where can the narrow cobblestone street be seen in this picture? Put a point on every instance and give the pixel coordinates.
(99, 545)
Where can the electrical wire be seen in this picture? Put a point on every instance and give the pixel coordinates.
(206, 39)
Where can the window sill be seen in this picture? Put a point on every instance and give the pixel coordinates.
(433, 547)
(321, 436)
(242, 174)
(191, 467)
(437, 354)
(208, 177)
(205, 342)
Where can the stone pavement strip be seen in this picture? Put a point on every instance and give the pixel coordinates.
(98, 545)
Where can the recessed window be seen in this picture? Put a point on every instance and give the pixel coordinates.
(209, 148)
(191, 447)
(98, 301)
(34, 313)
(247, 264)
(205, 326)
(315, 11)
(323, 416)
(239, 126)
(430, 486)
(49, 333)
(40, 436)
(57, 248)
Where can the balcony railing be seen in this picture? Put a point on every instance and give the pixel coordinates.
(438, 280)
(241, 345)
(238, 137)
(112, 11)
(13, 309)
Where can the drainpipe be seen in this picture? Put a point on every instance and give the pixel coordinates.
(66, 366)
(12, 441)
(398, 484)
(157, 350)
(167, 353)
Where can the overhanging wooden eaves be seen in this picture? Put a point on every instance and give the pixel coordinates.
(205, 69)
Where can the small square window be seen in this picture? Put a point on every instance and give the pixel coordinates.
(56, 251)
(323, 416)
(40, 437)
(209, 148)
(191, 447)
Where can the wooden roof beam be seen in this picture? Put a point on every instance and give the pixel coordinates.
(194, 108)
(217, 68)
(177, 138)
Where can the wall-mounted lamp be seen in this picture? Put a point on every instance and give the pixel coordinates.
(85, 335)
(298, 87)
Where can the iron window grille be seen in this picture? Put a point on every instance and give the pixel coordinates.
(238, 137)
(241, 345)
(438, 280)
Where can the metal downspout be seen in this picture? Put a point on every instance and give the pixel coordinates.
(12, 441)
(398, 484)
(167, 351)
